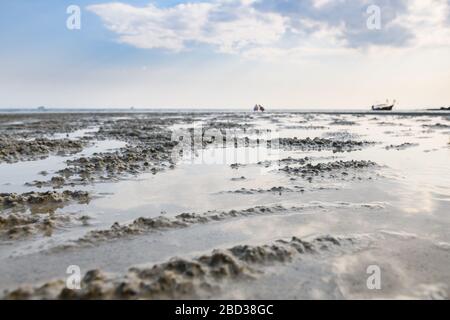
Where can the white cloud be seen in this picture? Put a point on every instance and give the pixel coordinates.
(277, 29)
(151, 27)
(229, 26)
(429, 22)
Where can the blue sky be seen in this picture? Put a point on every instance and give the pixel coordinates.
(224, 53)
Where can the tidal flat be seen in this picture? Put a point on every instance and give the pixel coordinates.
(225, 205)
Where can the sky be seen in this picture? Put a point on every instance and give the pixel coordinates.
(302, 54)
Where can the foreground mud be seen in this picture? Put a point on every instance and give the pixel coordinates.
(183, 278)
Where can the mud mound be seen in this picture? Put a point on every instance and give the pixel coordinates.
(41, 199)
(305, 127)
(145, 225)
(55, 182)
(277, 190)
(16, 226)
(183, 278)
(109, 166)
(342, 122)
(284, 161)
(322, 144)
(12, 150)
(402, 146)
(17, 223)
(438, 126)
(227, 125)
(321, 168)
(343, 135)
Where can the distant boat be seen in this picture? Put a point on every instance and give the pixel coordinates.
(258, 107)
(384, 106)
(41, 108)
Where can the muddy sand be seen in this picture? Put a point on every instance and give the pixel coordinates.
(207, 205)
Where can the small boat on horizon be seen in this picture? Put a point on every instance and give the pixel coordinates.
(384, 106)
(258, 107)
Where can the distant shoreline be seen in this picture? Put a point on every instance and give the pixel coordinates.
(169, 110)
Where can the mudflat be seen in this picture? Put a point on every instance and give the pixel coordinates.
(161, 205)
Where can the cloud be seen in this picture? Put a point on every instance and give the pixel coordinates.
(430, 22)
(350, 16)
(229, 26)
(279, 28)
